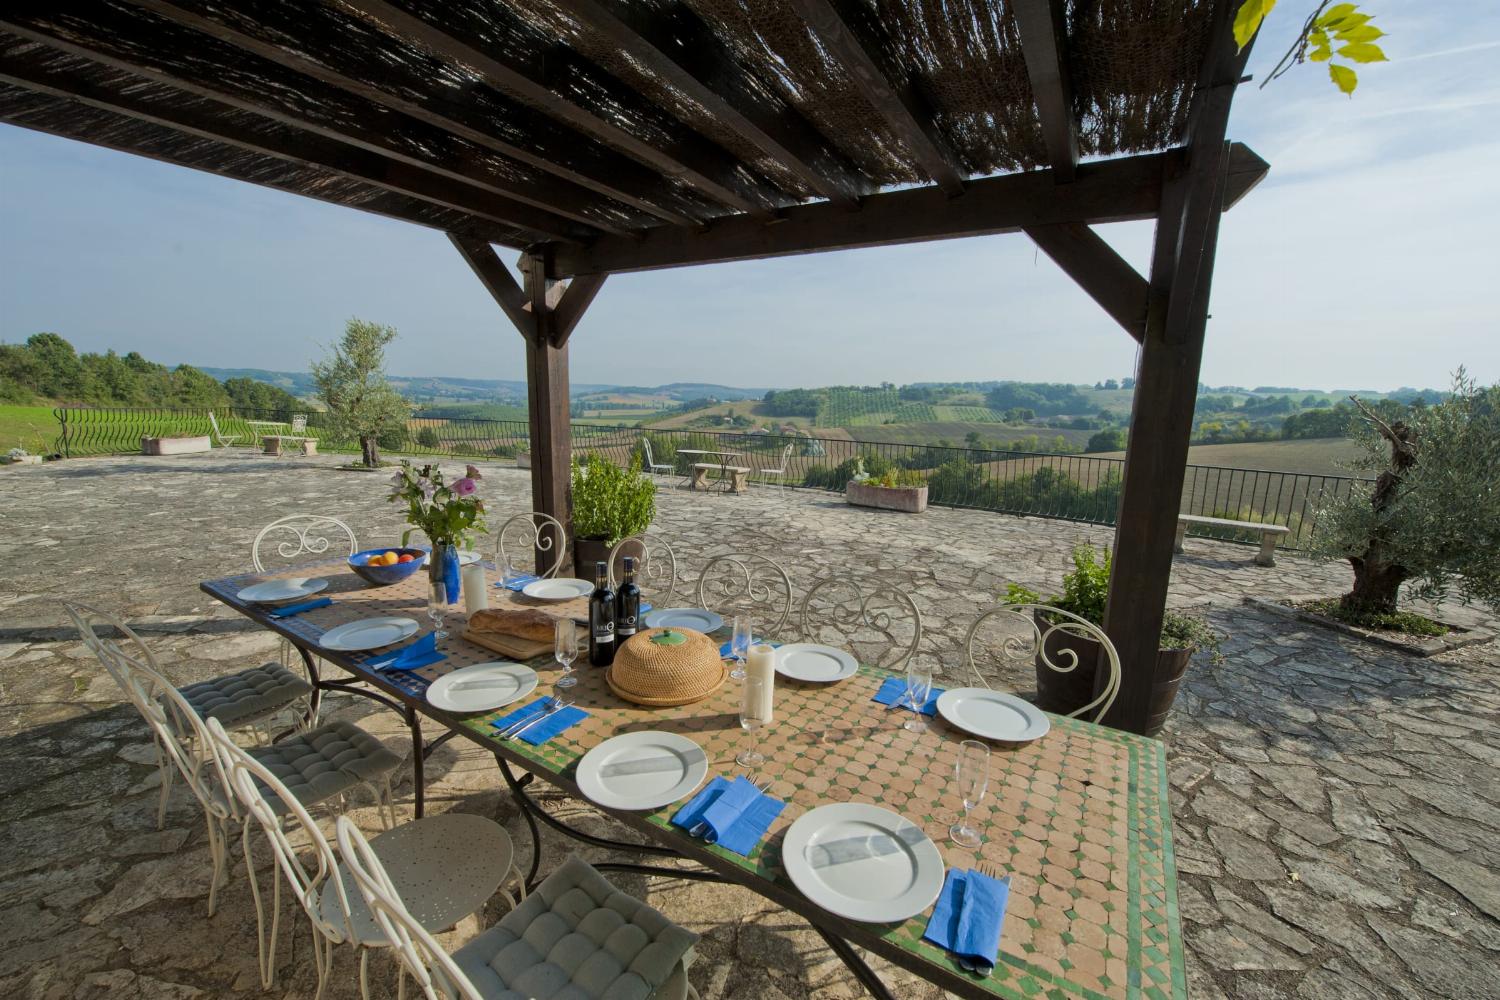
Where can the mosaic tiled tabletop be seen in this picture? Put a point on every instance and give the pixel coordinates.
(1078, 819)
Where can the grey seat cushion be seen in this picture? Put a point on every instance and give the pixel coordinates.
(317, 765)
(576, 938)
(245, 697)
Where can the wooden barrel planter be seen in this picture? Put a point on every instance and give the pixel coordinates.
(1061, 693)
(587, 553)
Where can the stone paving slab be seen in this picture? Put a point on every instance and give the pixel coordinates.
(1336, 804)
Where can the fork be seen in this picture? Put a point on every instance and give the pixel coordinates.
(554, 704)
(993, 871)
(701, 828)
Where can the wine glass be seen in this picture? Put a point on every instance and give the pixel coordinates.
(565, 650)
(972, 772)
(437, 607)
(739, 645)
(918, 690)
(755, 713)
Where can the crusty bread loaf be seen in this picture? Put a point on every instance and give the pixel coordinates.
(528, 623)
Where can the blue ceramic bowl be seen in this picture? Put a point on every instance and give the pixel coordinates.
(383, 576)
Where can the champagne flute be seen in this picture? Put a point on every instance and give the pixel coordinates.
(565, 650)
(754, 714)
(918, 690)
(739, 645)
(437, 607)
(972, 772)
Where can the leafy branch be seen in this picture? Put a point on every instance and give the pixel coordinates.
(1342, 31)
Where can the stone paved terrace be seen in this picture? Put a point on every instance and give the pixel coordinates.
(1337, 805)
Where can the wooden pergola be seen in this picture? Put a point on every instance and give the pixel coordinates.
(604, 136)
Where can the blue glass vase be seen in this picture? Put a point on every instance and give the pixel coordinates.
(442, 567)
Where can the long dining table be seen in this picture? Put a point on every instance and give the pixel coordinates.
(1078, 820)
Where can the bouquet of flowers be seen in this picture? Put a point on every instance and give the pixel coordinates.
(447, 513)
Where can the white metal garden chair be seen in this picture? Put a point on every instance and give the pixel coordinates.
(446, 866)
(559, 942)
(655, 567)
(653, 467)
(862, 613)
(531, 536)
(1028, 637)
(746, 583)
(225, 440)
(320, 765)
(780, 473)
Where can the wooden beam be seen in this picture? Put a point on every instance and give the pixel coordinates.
(677, 153)
(32, 72)
(1167, 385)
(1099, 270)
(1043, 28)
(547, 405)
(1118, 190)
(574, 303)
(491, 272)
(1246, 170)
(97, 36)
(613, 176)
(904, 110)
(686, 54)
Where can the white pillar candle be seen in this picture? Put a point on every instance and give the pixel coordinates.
(760, 666)
(476, 596)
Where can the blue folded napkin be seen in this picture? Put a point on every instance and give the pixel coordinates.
(968, 917)
(516, 583)
(893, 691)
(726, 651)
(287, 610)
(735, 813)
(422, 653)
(546, 729)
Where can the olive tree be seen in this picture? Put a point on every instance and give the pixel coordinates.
(1431, 518)
(351, 383)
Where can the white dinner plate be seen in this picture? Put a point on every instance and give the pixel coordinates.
(642, 770)
(697, 619)
(280, 591)
(558, 590)
(371, 633)
(482, 687)
(993, 714)
(807, 661)
(862, 862)
(468, 556)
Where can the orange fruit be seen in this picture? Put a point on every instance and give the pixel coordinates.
(406, 558)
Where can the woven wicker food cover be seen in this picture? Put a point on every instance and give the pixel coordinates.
(665, 667)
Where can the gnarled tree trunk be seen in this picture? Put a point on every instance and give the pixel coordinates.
(369, 451)
(1377, 579)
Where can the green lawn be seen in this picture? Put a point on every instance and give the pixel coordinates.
(31, 427)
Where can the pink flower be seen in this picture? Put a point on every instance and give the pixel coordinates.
(473, 473)
(464, 487)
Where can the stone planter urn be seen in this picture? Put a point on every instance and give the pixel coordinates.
(523, 460)
(907, 499)
(1061, 693)
(185, 445)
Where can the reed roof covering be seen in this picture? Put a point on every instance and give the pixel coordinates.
(531, 121)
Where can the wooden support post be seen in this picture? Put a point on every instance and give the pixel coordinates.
(547, 404)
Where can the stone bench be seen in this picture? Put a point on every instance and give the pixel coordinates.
(273, 444)
(1270, 534)
(739, 476)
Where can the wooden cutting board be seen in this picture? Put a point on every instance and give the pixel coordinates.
(510, 645)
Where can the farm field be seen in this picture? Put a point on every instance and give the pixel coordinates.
(953, 431)
(1314, 456)
(31, 427)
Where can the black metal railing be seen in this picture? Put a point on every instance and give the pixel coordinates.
(1081, 488)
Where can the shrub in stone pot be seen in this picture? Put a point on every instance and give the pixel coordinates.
(609, 503)
(895, 489)
(1085, 591)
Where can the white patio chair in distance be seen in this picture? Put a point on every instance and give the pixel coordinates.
(1031, 647)
(653, 467)
(524, 535)
(224, 440)
(320, 765)
(560, 941)
(780, 473)
(863, 611)
(655, 567)
(447, 866)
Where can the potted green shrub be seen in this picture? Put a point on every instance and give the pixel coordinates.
(609, 503)
(893, 489)
(1085, 591)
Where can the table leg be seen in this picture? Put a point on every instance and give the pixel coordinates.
(866, 975)
(418, 760)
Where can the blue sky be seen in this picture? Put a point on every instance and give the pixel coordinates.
(1365, 260)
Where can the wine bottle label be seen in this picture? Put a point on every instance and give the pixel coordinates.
(604, 632)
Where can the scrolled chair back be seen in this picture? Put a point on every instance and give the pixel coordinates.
(288, 538)
(532, 536)
(655, 566)
(1035, 627)
(438, 977)
(746, 583)
(876, 619)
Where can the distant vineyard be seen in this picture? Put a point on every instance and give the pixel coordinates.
(969, 414)
(856, 407)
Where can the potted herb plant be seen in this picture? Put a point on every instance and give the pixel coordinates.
(1085, 591)
(609, 503)
(894, 489)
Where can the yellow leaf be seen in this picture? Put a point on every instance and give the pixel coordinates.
(1364, 33)
(1343, 77)
(1362, 52)
(1248, 18)
(1318, 46)
(1337, 11)
(1343, 23)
